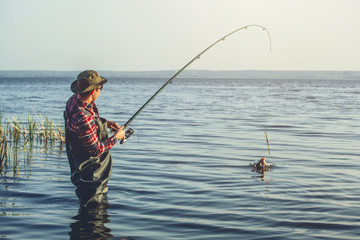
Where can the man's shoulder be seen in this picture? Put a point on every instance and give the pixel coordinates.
(80, 114)
(74, 109)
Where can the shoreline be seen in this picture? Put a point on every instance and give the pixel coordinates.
(241, 74)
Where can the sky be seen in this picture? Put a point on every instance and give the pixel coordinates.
(151, 35)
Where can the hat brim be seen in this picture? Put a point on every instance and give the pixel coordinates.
(75, 89)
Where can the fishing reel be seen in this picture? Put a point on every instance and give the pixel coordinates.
(128, 133)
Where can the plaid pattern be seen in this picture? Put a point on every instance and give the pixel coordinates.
(85, 127)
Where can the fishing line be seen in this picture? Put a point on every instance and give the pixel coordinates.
(130, 131)
(267, 141)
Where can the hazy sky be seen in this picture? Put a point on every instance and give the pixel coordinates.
(128, 35)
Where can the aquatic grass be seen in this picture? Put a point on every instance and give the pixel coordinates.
(3, 151)
(3, 144)
(15, 162)
(16, 134)
(47, 131)
(1, 129)
(31, 125)
(18, 130)
(42, 129)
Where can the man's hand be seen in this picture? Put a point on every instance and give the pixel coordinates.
(113, 125)
(120, 133)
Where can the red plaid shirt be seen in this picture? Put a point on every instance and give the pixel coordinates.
(85, 127)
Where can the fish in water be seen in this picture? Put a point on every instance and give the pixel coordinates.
(261, 166)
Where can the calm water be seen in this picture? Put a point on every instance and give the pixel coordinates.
(185, 174)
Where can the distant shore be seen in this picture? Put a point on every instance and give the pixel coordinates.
(246, 74)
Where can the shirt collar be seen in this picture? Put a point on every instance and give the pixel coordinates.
(91, 107)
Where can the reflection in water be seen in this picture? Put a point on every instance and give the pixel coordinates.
(12, 153)
(261, 167)
(90, 224)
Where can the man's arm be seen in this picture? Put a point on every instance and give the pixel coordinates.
(87, 133)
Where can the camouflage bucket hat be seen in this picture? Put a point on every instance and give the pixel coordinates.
(86, 81)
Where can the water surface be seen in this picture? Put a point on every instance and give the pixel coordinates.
(185, 173)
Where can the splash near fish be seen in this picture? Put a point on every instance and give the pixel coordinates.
(261, 166)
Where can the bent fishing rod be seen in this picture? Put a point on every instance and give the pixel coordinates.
(129, 132)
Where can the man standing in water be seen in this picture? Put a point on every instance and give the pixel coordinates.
(87, 142)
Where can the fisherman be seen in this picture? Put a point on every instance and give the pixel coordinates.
(87, 142)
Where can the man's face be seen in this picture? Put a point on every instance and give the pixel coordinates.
(97, 93)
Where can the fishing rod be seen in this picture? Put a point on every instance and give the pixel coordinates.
(129, 132)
